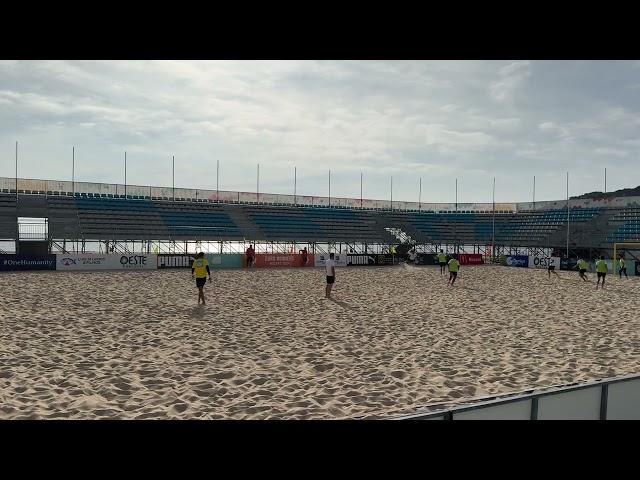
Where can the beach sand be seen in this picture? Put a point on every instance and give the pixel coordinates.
(268, 345)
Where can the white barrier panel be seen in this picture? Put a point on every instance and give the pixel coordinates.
(162, 192)
(581, 404)
(247, 197)
(321, 258)
(623, 401)
(536, 261)
(268, 198)
(105, 262)
(511, 411)
(32, 185)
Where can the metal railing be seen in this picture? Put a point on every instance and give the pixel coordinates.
(630, 403)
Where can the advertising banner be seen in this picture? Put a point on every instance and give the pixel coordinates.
(387, 259)
(521, 261)
(281, 260)
(225, 260)
(360, 260)
(174, 261)
(27, 262)
(568, 264)
(340, 259)
(543, 262)
(427, 259)
(66, 261)
(470, 259)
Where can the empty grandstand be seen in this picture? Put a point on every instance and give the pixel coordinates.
(106, 217)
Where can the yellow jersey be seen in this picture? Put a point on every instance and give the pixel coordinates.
(200, 267)
(601, 266)
(442, 258)
(454, 265)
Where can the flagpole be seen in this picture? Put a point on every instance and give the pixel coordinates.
(73, 170)
(295, 185)
(173, 176)
(420, 195)
(125, 174)
(493, 232)
(567, 215)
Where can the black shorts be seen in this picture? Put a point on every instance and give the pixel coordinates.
(551, 267)
(623, 270)
(453, 274)
(200, 282)
(602, 274)
(442, 264)
(330, 280)
(583, 270)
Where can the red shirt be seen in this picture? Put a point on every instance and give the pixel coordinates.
(250, 252)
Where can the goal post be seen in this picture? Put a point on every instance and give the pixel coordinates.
(622, 246)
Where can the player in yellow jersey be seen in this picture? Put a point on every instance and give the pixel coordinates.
(454, 267)
(582, 268)
(622, 268)
(442, 261)
(200, 269)
(601, 269)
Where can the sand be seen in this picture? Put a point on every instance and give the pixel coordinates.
(269, 346)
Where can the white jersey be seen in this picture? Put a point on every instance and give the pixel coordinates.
(328, 264)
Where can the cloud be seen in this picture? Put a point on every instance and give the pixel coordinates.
(436, 120)
(511, 78)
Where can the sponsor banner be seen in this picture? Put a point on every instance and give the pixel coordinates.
(216, 260)
(225, 260)
(106, 262)
(27, 262)
(280, 260)
(360, 260)
(341, 259)
(174, 261)
(387, 259)
(470, 259)
(521, 261)
(427, 259)
(568, 263)
(543, 262)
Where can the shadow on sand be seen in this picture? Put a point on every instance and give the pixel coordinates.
(342, 303)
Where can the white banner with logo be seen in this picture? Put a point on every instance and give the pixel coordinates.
(88, 261)
(339, 258)
(536, 261)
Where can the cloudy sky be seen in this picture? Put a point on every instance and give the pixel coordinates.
(435, 120)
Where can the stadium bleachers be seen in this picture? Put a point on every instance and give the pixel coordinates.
(101, 217)
(626, 226)
(8, 217)
(316, 224)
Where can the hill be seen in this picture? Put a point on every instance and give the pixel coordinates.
(625, 192)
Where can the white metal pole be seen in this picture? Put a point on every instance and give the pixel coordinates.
(16, 172)
(173, 176)
(360, 189)
(493, 232)
(258, 185)
(420, 195)
(567, 214)
(329, 187)
(217, 180)
(534, 192)
(73, 170)
(392, 193)
(125, 174)
(295, 185)
(605, 179)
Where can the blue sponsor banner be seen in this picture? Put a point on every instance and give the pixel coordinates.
(27, 262)
(521, 261)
